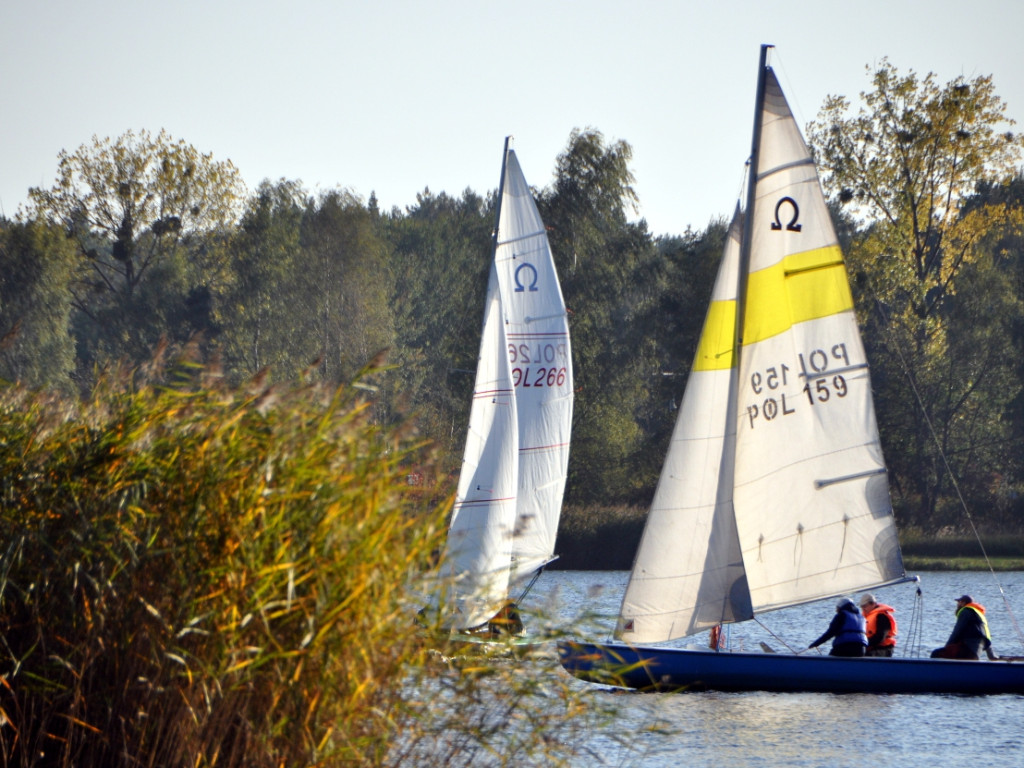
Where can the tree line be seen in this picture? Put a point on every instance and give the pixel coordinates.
(143, 241)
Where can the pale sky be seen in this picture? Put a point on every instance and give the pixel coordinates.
(393, 96)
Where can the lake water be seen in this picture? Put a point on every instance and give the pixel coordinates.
(803, 730)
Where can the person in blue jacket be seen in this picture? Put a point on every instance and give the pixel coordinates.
(847, 630)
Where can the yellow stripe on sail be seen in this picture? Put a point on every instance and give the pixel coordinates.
(715, 350)
(804, 286)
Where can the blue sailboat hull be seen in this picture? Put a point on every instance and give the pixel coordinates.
(676, 669)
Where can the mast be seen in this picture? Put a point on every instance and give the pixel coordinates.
(501, 192)
(748, 213)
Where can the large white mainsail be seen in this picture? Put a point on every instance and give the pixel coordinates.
(509, 496)
(811, 494)
(809, 499)
(538, 348)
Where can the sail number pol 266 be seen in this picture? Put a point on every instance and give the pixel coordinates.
(538, 365)
(820, 385)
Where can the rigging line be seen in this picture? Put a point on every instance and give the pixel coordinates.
(529, 586)
(782, 73)
(919, 613)
(766, 629)
(915, 627)
(740, 199)
(942, 454)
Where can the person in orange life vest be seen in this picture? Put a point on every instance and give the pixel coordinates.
(880, 621)
(970, 635)
(846, 631)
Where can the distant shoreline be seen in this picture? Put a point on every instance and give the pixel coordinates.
(606, 538)
(910, 564)
(918, 563)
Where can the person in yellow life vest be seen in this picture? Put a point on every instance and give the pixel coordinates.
(880, 625)
(970, 635)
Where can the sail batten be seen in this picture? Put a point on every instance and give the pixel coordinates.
(848, 478)
(806, 374)
(764, 175)
(520, 238)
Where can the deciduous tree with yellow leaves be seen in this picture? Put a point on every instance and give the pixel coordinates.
(905, 166)
(132, 205)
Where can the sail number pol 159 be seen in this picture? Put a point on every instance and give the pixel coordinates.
(821, 370)
(538, 365)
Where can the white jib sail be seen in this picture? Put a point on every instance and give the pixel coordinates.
(537, 332)
(811, 494)
(688, 573)
(479, 547)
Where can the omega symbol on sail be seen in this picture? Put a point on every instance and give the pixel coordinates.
(528, 280)
(792, 226)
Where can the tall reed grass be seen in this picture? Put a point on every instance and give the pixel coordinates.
(198, 575)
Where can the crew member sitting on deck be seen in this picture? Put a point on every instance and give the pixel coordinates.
(970, 635)
(846, 630)
(507, 621)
